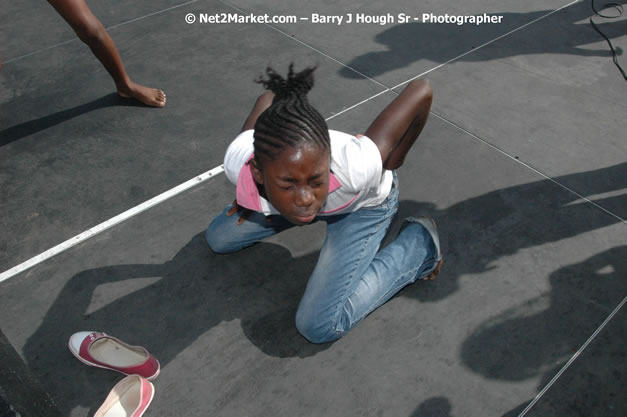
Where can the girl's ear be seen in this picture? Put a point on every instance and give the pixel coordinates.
(256, 171)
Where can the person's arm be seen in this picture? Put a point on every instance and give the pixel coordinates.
(398, 126)
(263, 102)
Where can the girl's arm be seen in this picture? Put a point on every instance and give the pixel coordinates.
(398, 126)
(263, 102)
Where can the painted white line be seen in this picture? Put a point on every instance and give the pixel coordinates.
(423, 73)
(294, 38)
(152, 14)
(61, 247)
(355, 105)
(110, 223)
(575, 356)
(601, 196)
(209, 174)
(486, 44)
(107, 28)
(529, 167)
(38, 51)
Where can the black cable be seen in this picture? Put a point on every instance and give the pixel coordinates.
(619, 9)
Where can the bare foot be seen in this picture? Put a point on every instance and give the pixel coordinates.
(149, 96)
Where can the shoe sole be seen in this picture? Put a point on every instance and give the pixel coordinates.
(152, 395)
(429, 224)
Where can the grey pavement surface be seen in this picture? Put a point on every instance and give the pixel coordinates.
(522, 164)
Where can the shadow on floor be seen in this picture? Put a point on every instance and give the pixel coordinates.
(261, 287)
(17, 132)
(433, 407)
(478, 232)
(193, 292)
(581, 297)
(411, 42)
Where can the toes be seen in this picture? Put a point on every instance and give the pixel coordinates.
(152, 97)
(161, 98)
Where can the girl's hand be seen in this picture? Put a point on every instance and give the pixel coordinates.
(245, 213)
(237, 208)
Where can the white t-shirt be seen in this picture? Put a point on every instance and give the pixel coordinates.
(357, 176)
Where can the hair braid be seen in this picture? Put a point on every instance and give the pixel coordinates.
(290, 120)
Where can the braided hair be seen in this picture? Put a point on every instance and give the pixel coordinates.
(290, 120)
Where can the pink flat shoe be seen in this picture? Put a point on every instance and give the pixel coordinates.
(104, 351)
(129, 398)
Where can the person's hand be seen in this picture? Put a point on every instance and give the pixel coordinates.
(245, 213)
(436, 271)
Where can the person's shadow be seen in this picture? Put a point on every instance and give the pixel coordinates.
(261, 286)
(539, 336)
(439, 43)
(477, 232)
(31, 127)
(433, 407)
(529, 339)
(185, 297)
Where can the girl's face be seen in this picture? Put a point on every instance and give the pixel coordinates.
(296, 182)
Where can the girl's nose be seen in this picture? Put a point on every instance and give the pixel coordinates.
(305, 197)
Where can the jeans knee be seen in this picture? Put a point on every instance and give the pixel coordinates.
(217, 242)
(313, 331)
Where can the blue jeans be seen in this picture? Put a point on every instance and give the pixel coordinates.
(352, 277)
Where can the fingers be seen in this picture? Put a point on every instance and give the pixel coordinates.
(436, 271)
(233, 209)
(245, 214)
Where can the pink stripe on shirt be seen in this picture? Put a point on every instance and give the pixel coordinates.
(247, 193)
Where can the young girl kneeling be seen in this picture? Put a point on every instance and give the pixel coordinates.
(290, 169)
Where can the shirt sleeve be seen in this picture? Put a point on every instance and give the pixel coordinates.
(359, 163)
(237, 154)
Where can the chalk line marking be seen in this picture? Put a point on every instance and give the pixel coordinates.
(216, 171)
(575, 356)
(75, 39)
(61, 247)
